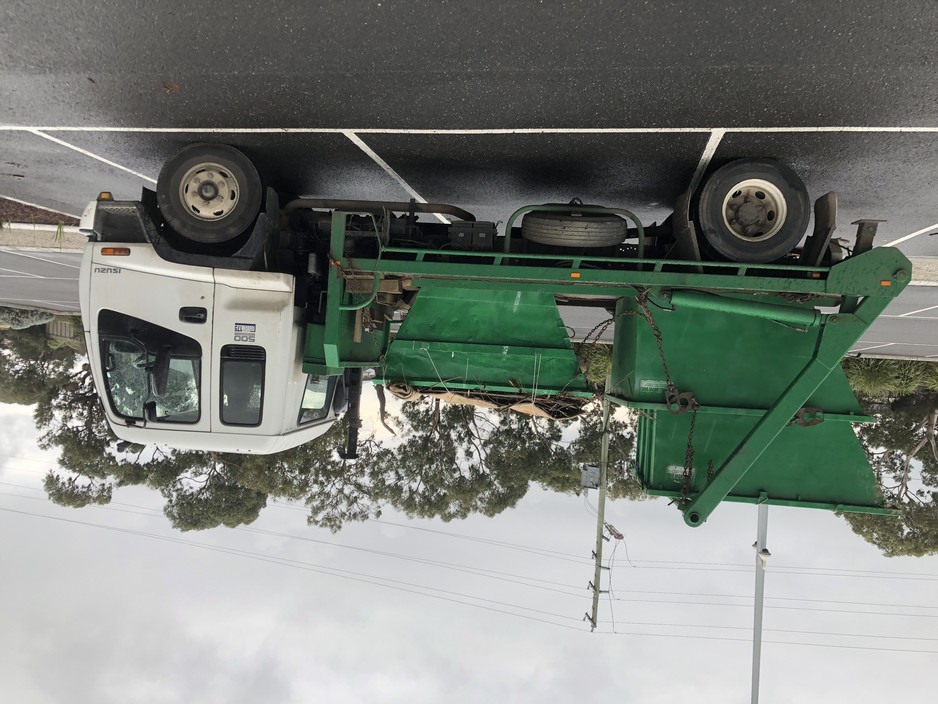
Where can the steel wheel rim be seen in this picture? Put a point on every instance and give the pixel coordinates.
(754, 210)
(209, 192)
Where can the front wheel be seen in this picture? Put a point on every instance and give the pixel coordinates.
(753, 210)
(209, 193)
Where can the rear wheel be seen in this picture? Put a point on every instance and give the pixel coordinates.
(570, 230)
(209, 193)
(753, 210)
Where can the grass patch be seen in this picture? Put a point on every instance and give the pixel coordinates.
(59, 235)
(595, 361)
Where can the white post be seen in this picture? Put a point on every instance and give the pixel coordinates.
(762, 554)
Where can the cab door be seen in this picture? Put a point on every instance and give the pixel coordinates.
(151, 326)
(255, 349)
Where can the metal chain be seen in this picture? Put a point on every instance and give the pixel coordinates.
(601, 327)
(676, 401)
(799, 297)
(642, 300)
(689, 458)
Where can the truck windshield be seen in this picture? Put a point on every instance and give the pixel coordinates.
(317, 398)
(130, 388)
(150, 372)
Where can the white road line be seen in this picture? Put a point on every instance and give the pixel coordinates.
(709, 150)
(67, 304)
(431, 131)
(904, 344)
(914, 317)
(834, 128)
(920, 310)
(931, 228)
(874, 347)
(40, 133)
(357, 141)
(41, 259)
(20, 274)
(41, 207)
(716, 134)
(44, 278)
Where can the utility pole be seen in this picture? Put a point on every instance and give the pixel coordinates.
(762, 555)
(600, 512)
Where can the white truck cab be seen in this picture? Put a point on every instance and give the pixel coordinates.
(198, 357)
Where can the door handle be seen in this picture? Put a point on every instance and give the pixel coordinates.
(193, 314)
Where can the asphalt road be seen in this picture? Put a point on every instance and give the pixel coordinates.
(48, 279)
(486, 105)
(39, 279)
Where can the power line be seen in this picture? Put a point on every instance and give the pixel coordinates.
(769, 606)
(808, 569)
(641, 564)
(782, 598)
(823, 571)
(475, 570)
(413, 588)
(609, 592)
(773, 630)
(774, 642)
(511, 577)
(27, 459)
(469, 569)
(544, 552)
(323, 569)
(569, 557)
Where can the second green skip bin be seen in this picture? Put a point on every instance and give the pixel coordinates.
(760, 410)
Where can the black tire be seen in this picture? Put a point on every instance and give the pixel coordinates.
(562, 230)
(237, 189)
(771, 212)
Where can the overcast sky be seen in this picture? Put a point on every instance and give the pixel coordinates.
(111, 605)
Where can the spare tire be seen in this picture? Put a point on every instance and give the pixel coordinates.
(209, 193)
(568, 230)
(753, 210)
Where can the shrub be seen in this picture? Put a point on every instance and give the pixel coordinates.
(21, 318)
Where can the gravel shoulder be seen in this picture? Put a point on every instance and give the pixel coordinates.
(25, 226)
(11, 211)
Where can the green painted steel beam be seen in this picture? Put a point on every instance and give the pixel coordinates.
(807, 317)
(880, 273)
(336, 288)
(738, 411)
(434, 384)
(824, 506)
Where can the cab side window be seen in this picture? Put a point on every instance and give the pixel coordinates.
(151, 373)
(242, 384)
